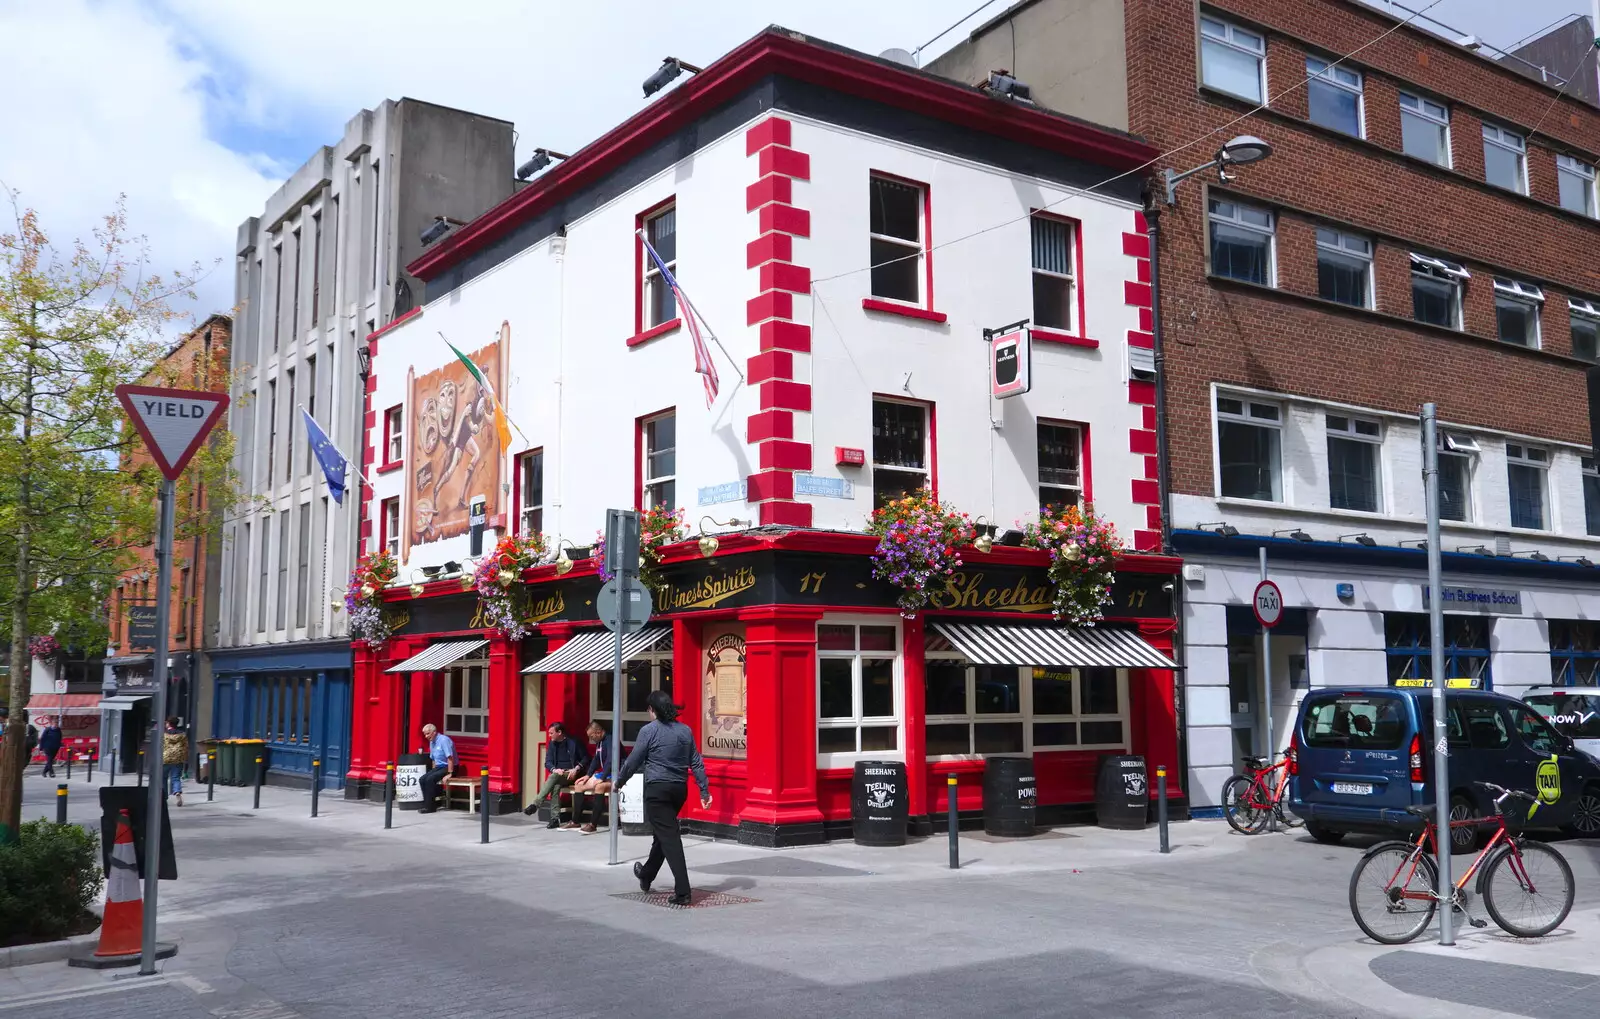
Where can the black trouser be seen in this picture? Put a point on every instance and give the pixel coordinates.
(595, 803)
(662, 801)
(50, 761)
(430, 784)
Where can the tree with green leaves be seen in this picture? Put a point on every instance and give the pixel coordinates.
(74, 325)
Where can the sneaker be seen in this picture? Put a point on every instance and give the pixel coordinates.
(587, 829)
(555, 822)
(531, 809)
(569, 824)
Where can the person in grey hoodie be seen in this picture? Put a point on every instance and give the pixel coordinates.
(666, 752)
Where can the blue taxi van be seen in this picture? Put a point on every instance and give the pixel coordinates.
(1361, 756)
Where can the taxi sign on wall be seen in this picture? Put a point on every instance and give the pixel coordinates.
(1459, 683)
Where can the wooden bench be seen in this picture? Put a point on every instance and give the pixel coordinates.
(472, 784)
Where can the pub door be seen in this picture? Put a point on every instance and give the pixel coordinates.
(532, 734)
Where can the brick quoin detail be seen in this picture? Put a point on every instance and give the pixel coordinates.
(785, 344)
(1137, 294)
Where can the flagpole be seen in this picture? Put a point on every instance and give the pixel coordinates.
(492, 394)
(692, 309)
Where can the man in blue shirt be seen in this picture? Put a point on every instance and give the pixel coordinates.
(442, 757)
(564, 760)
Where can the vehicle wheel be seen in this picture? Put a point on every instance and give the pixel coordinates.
(1381, 888)
(1239, 805)
(1529, 895)
(1463, 840)
(1326, 836)
(1586, 815)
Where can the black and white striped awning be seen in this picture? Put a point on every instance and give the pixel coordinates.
(590, 652)
(1052, 646)
(438, 656)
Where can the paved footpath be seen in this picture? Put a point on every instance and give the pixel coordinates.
(280, 916)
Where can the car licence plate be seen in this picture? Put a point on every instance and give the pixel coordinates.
(1353, 788)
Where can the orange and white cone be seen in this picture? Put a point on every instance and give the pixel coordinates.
(122, 928)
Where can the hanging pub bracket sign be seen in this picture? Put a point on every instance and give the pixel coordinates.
(1010, 360)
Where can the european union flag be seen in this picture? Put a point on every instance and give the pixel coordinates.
(333, 462)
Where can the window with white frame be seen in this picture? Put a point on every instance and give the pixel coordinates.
(1249, 449)
(389, 537)
(530, 492)
(858, 702)
(466, 698)
(1424, 129)
(641, 677)
(660, 304)
(660, 467)
(1575, 179)
(1526, 471)
(1436, 285)
(1458, 456)
(896, 232)
(1353, 472)
(1516, 311)
(1591, 496)
(1585, 328)
(1233, 59)
(1241, 242)
(1334, 96)
(901, 451)
(1505, 162)
(1060, 464)
(1052, 272)
(394, 434)
(1006, 709)
(1344, 267)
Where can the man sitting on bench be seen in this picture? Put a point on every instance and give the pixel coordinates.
(589, 791)
(564, 759)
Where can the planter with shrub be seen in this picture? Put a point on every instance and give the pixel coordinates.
(49, 883)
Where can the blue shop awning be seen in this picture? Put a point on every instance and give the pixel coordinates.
(438, 656)
(1052, 646)
(596, 650)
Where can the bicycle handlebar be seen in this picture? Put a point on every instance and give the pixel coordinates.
(1502, 793)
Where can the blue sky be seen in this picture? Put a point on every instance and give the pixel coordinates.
(197, 109)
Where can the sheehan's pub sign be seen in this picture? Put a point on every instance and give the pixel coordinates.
(796, 578)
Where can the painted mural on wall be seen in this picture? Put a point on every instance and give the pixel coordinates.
(722, 732)
(454, 455)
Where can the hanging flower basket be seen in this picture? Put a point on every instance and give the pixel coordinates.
(363, 598)
(43, 646)
(502, 595)
(918, 546)
(1083, 560)
(658, 528)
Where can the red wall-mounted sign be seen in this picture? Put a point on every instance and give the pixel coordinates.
(844, 456)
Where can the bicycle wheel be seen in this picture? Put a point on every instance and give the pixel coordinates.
(1242, 806)
(1376, 901)
(1529, 895)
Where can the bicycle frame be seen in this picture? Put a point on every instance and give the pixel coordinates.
(1269, 797)
(1427, 842)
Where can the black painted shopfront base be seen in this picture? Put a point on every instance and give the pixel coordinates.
(774, 836)
(361, 789)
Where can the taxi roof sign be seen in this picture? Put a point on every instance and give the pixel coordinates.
(172, 422)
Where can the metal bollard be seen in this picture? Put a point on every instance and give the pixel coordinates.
(955, 827)
(316, 784)
(211, 775)
(61, 803)
(388, 796)
(259, 771)
(483, 803)
(113, 769)
(69, 766)
(93, 755)
(1161, 806)
(141, 769)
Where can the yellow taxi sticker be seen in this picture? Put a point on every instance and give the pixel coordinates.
(1548, 779)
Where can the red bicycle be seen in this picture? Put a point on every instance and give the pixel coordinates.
(1251, 798)
(1526, 886)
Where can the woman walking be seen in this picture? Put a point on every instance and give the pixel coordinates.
(174, 754)
(666, 752)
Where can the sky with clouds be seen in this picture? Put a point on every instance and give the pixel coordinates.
(197, 109)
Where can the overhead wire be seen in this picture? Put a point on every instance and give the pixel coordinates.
(1571, 77)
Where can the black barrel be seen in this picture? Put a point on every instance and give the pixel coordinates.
(1010, 797)
(1122, 793)
(879, 803)
(408, 774)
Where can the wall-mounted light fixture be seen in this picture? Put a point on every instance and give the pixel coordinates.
(1580, 560)
(1238, 151)
(1221, 527)
(670, 68)
(538, 161)
(1361, 539)
(1294, 532)
(1533, 554)
(708, 542)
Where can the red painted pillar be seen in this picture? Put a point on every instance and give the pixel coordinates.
(505, 715)
(913, 660)
(1153, 711)
(781, 725)
(364, 758)
(563, 700)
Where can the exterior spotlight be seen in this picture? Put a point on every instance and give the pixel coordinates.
(1223, 528)
(1361, 539)
(1420, 543)
(563, 561)
(452, 567)
(1001, 83)
(1576, 559)
(416, 590)
(1534, 555)
(1479, 549)
(439, 228)
(670, 68)
(1294, 532)
(1012, 538)
(709, 545)
(466, 582)
(538, 161)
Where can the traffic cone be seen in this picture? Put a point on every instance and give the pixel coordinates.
(123, 924)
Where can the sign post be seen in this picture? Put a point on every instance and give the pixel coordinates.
(173, 424)
(1268, 606)
(1441, 745)
(622, 562)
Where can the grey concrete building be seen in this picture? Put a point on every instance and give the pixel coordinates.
(318, 271)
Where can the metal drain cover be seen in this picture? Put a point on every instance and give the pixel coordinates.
(697, 899)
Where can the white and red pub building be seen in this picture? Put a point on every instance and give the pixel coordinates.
(844, 228)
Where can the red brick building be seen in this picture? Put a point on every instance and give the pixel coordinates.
(1424, 231)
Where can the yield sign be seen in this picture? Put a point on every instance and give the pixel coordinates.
(173, 422)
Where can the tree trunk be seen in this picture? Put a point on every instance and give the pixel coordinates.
(14, 753)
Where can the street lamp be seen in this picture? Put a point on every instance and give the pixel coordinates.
(1246, 148)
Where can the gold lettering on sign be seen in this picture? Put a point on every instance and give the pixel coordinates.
(968, 591)
(811, 583)
(709, 591)
(402, 618)
(548, 607)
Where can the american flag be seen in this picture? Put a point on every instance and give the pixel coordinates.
(703, 364)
